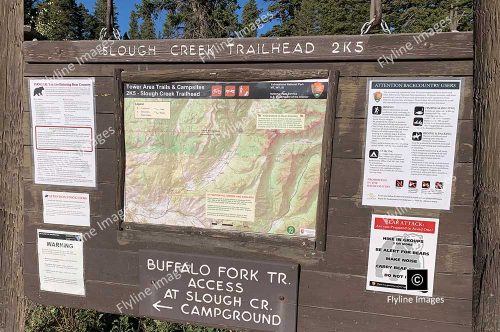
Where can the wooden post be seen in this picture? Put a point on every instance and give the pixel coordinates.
(110, 18)
(486, 304)
(11, 156)
(376, 12)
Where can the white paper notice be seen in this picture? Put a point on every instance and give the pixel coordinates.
(63, 129)
(410, 143)
(402, 255)
(60, 262)
(66, 208)
(230, 207)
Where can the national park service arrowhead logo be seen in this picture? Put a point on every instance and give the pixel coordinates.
(377, 96)
(317, 89)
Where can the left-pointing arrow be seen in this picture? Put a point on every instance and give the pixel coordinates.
(158, 306)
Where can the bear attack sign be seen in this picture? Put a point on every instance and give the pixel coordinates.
(402, 255)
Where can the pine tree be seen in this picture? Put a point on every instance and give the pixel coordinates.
(421, 15)
(195, 18)
(83, 21)
(223, 21)
(172, 28)
(307, 20)
(148, 27)
(347, 16)
(284, 12)
(331, 17)
(133, 30)
(250, 15)
(343, 17)
(61, 20)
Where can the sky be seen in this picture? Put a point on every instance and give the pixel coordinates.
(126, 6)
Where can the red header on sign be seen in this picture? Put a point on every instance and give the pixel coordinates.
(405, 225)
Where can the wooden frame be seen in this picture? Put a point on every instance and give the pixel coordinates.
(250, 75)
(332, 293)
(119, 125)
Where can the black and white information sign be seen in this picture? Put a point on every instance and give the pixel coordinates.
(219, 291)
(60, 262)
(64, 208)
(63, 131)
(410, 142)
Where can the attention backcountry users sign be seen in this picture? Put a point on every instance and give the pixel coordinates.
(219, 291)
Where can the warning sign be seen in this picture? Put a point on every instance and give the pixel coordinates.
(402, 255)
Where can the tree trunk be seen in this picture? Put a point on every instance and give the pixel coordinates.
(11, 156)
(486, 300)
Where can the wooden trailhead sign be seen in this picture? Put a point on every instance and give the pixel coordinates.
(256, 184)
(260, 296)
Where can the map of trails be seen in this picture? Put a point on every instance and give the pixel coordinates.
(234, 156)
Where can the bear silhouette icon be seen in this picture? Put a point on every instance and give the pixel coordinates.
(38, 91)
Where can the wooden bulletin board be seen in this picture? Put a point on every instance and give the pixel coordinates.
(331, 283)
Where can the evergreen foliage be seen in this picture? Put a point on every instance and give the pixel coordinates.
(250, 14)
(62, 20)
(194, 18)
(285, 14)
(421, 15)
(66, 20)
(133, 30)
(330, 17)
(148, 30)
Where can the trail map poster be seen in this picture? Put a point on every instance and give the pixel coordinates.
(236, 156)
